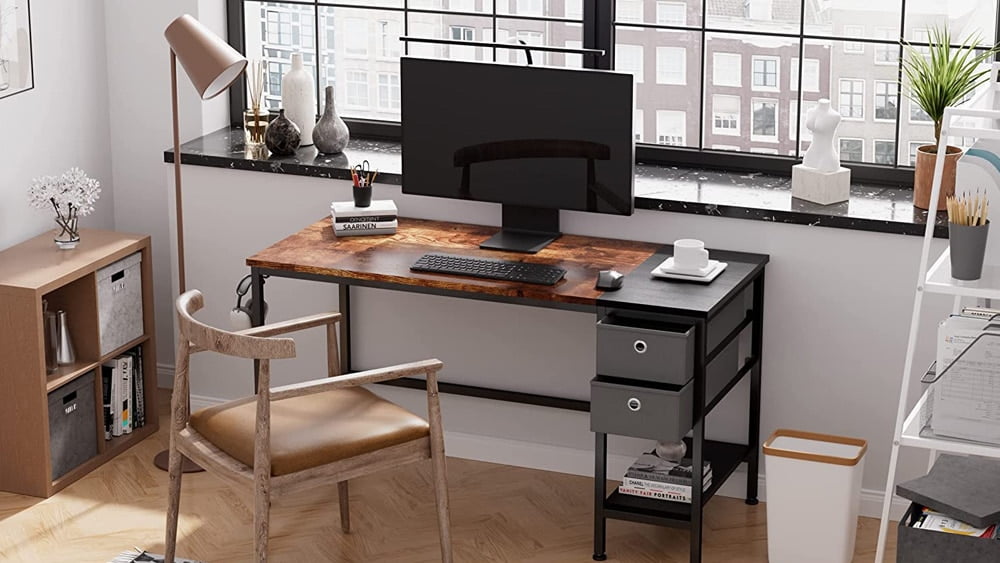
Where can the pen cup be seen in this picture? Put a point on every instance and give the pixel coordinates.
(362, 196)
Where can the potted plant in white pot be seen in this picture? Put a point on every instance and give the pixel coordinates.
(939, 77)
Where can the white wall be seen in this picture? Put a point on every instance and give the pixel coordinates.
(62, 122)
(838, 305)
(138, 90)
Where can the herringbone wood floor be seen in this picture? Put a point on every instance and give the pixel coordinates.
(499, 513)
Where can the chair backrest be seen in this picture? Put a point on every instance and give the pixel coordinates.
(224, 342)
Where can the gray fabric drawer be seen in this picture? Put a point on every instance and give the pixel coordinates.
(119, 302)
(641, 412)
(72, 424)
(914, 545)
(634, 348)
(727, 319)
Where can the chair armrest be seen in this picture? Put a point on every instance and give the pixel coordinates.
(355, 379)
(293, 325)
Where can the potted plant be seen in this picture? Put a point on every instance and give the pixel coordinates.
(939, 77)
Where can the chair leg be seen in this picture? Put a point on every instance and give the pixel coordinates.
(345, 507)
(441, 496)
(261, 515)
(174, 501)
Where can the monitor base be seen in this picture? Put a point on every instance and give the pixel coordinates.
(519, 241)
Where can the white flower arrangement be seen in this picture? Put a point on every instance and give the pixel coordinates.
(71, 195)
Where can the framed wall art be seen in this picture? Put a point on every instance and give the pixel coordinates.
(16, 69)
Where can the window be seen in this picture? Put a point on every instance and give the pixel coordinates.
(885, 152)
(810, 75)
(629, 11)
(388, 39)
(757, 9)
(726, 69)
(854, 47)
(914, 145)
(885, 100)
(725, 115)
(852, 98)
(670, 127)
(765, 72)
(462, 52)
(388, 90)
(852, 150)
(356, 37)
(918, 115)
(766, 53)
(530, 7)
(628, 58)
(638, 126)
(765, 120)
(804, 134)
(671, 13)
(671, 65)
(357, 88)
(886, 54)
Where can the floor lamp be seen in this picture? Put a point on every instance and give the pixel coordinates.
(212, 65)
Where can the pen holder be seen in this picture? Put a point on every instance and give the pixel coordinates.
(362, 196)
(968, 249)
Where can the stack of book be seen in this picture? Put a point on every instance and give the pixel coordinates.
(654, 477)
(124, 400)
(379, 218)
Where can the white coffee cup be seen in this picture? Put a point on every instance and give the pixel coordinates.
(690, 254)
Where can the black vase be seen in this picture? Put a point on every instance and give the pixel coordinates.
(282, 136)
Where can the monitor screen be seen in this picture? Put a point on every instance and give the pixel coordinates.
(518, 135)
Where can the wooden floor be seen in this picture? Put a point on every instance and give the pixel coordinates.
(499, 513)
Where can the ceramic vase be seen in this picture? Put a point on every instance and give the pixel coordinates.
(923, 176)
(298, 97)
(282, 136)
(330, 134)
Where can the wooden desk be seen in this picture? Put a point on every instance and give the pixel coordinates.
(384, 262)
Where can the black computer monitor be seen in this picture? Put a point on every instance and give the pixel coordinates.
(535, 139)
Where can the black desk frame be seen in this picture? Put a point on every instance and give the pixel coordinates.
(634, 508)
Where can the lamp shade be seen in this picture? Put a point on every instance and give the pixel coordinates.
(210, 63)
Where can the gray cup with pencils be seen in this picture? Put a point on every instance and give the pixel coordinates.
(968, 227)
(362, 176)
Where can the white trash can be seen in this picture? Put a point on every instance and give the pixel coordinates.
(813, 491)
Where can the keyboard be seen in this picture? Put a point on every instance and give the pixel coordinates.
(489, 268)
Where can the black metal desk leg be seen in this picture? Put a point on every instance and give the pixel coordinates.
(600, 486)
(698, 440)
(256, 312)
(344, 296)
(757, 350)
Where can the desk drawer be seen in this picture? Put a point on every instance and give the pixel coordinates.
(640, 412)
(634, 348)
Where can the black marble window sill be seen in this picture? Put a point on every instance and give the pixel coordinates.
(665, 188)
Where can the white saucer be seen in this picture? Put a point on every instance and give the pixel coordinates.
(658, 272)
(670, 267)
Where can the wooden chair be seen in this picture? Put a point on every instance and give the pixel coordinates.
(300, 435)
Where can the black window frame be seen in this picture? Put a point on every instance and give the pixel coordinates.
(599, 29)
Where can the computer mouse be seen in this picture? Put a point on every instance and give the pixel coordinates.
(610, 279)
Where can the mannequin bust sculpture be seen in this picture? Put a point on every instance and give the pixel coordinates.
(820, 178)
(822, 121)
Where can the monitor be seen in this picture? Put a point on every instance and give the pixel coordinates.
(534, 139)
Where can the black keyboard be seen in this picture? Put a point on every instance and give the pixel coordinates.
(489, 268)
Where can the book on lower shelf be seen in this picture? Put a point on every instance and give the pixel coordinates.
(123, 393)
(650, 467)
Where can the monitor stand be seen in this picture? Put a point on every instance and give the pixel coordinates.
(525, 229)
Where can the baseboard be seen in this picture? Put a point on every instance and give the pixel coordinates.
(574, 461)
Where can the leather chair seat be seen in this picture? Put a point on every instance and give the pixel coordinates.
(311, 430)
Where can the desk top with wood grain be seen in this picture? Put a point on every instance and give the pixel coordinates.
(384, 261)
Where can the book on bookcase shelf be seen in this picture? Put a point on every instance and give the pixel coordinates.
(123, 394)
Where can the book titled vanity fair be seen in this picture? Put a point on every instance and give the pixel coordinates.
(379, 218)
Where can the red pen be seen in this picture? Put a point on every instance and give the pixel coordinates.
(354, 177)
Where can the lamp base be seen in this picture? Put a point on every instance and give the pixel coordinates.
(162, 461)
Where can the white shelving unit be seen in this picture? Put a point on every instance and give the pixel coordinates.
(937, 279)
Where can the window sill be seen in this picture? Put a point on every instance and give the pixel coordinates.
(737, 195)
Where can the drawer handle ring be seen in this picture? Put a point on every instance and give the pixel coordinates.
(634, 404)
(640, 346)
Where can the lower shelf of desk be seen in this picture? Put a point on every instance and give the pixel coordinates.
(725, 458)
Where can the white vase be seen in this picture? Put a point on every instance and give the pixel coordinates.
(298, 98)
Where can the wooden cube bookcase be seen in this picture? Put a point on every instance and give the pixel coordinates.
(67, 279)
